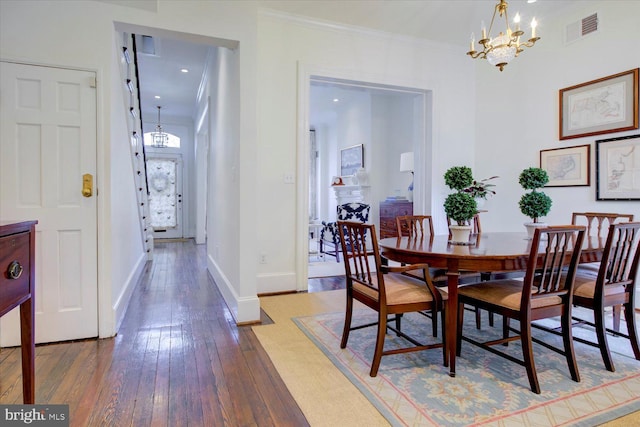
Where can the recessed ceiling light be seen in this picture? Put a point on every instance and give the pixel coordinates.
(157, 97)
(531, 1)
(336, 100)
(184, 70)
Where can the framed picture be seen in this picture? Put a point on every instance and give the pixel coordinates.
(351, 159)
(567, 167)
(606, 105)
(618, 168)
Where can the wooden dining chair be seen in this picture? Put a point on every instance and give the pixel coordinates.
(386, 290)
(420, 227)
(597, 224)
(614, 285)
(546, 291)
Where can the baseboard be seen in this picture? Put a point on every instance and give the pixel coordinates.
(245, 310)
(122, 302)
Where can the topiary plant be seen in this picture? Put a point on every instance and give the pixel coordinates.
(459, 206)
(458, 177)
(536, 203)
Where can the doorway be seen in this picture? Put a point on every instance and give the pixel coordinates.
(387, 120)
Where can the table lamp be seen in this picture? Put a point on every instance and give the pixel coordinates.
(406, 165)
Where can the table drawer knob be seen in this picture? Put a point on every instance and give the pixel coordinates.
(15, 270)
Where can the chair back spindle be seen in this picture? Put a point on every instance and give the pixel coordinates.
(415, 225)
(619, 264)
(552, 250)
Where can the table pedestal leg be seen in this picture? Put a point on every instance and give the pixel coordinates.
(452, 318)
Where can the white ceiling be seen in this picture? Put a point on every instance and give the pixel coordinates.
(449, 21)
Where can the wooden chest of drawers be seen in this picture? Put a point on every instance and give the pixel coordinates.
(389, 210)
(17, 277)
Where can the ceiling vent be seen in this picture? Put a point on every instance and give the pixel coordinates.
(580, 29)
(146, 45)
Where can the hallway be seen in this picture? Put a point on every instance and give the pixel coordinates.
(178, 359)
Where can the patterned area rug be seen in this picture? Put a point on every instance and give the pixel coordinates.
(415, 389)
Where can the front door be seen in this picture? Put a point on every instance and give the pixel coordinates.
(164, 173)
(47, 144)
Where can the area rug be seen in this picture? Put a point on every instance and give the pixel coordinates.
(414, 389)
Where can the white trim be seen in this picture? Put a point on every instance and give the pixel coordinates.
(308, 73)
(122, 302)
(243, 309)
(277, 282)
(325, 25)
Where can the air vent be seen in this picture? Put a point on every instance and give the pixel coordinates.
(589, 24)
(579, 29)
(148, 45)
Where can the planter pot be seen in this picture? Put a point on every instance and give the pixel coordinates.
(460, 234)
(531, 228)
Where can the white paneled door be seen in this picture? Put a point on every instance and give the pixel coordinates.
(47, 145)
(165, 195)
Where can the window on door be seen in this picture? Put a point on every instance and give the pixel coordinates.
(163, 195)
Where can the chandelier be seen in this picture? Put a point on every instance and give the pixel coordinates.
(160, 139)
(501, 49)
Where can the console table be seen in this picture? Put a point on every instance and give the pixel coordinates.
(17, 262)
(389, 210)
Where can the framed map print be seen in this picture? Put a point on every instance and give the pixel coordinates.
(618, 168)
(567, 167)
(606, 105)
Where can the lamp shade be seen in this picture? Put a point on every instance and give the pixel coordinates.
(406, 162)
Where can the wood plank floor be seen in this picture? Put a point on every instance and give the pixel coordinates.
(178, 359)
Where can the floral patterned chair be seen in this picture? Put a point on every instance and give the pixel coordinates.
(329, 235)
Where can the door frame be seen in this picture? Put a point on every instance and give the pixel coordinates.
(422, 193)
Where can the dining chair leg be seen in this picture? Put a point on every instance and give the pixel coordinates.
(347, 322)
(617, 312)
(490, 318)
(505, 329)
(434, 321)
(478, 319)
(377, 354)
(398, 321)
(632, 329)
(527, 353)
(567, 337)
(601, 333)
(459, 329)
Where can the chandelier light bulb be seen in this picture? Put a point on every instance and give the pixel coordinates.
(534, 24)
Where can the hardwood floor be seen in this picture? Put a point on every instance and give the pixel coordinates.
(178, 359)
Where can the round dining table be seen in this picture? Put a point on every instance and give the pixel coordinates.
(485, 252)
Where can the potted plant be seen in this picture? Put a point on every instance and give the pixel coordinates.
(459, 206)
(480, 190)
(535, 204)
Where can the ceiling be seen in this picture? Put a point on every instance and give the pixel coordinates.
(448, 21)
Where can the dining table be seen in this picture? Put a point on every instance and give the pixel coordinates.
(485, 252)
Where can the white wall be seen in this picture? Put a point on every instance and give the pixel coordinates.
(290, 49)
(517, 111)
